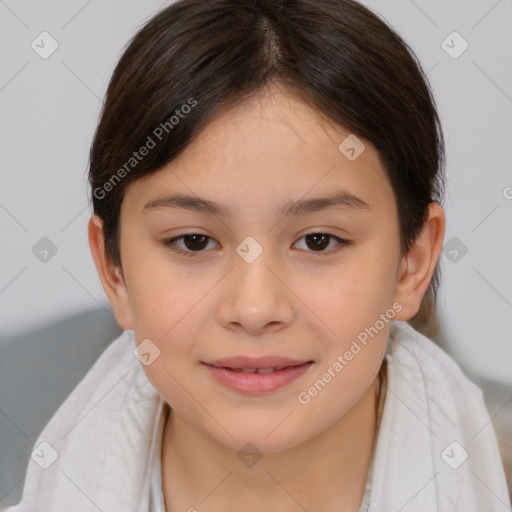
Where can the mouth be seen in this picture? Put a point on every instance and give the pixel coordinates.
(256, 376)
(257, 370)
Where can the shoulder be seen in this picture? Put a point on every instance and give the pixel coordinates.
(426, 381)
(432, 410)
(99, 430)
(115, 363)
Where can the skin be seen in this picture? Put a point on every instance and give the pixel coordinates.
(292, 301)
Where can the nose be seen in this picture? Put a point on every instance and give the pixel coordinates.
(256, 297)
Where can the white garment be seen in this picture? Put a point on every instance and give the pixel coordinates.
(105, 434)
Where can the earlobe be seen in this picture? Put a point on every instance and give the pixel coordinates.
(110, 275)
(417, 267)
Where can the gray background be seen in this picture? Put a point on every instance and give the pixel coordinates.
(55, 319)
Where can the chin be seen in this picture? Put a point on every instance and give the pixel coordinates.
(262, 440)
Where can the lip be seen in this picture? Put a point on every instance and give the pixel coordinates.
(224, 372)
(239, 362)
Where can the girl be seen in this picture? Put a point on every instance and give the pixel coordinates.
(267, 180)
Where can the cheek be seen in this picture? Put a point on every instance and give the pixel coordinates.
(359, 314)
(359, 291)
(169, 316)
(352, 357)
(170, 320)
(165, 311)
(164, 297)
(166, 376)
(340, 384)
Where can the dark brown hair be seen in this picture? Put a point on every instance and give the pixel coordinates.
(209, 55)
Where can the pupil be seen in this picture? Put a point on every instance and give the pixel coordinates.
(318, 237)
(194, 240)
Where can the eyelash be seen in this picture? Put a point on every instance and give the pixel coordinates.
(170, 244)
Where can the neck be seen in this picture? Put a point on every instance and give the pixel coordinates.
(333, 467)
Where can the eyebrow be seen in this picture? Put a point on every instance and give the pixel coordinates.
(341, 199)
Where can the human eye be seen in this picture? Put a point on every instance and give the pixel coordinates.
(194, 243)
(319, 241)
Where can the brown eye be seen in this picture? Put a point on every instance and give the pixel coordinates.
(195, 242)
(318, 242)
(191, 243)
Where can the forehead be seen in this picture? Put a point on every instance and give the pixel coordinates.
(267, 150)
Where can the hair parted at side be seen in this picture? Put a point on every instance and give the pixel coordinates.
(196, 58)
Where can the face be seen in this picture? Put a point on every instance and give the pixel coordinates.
(309, 285)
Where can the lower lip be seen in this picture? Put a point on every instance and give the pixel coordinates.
(255, 383)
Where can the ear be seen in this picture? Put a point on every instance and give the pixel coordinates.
(417, 267)
(111, 276)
